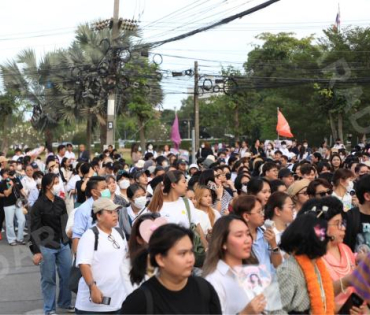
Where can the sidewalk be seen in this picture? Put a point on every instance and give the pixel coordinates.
(20, 291)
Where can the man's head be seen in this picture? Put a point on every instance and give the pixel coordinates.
(95, 186)
(319, 188)
(308, 171)
(69, 147)
(361, 169)
(61, 150)
(182, 165)
(286, 176)
(363, 190)
(82, 147)
(316, 157)
(270, 171)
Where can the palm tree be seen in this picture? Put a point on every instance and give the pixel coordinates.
(27, 79)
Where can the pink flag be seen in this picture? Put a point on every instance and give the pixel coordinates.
(175, 133)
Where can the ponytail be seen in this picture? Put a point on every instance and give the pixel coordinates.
(156, 203)
(171, 177)
(139, 263)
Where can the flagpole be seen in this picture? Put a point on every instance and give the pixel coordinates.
(278, 120)
(339, 17)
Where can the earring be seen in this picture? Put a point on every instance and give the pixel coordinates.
(224, 247)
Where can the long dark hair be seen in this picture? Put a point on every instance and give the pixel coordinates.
(161, 241)
(46, 181)
(134, 247)
(216, 250)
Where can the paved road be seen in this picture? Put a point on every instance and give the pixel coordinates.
(19, 281)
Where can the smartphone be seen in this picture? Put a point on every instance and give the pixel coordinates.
(353, 300)
(106, 300)
(212, 186)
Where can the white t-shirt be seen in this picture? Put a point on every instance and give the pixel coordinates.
(28, 184)
(205, 222)
(175, 212)
(70, 155)
(105, 265)
(346, 200)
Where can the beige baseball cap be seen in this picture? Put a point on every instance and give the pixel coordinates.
(104, 204)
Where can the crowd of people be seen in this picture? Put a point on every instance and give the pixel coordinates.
(160, 235)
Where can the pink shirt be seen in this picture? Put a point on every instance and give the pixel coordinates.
(339, 269)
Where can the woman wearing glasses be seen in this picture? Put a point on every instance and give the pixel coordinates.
(298, 192)
(264, 240)
(339, 258)
(99, 257)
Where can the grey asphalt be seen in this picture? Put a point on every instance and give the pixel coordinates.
(20, 291)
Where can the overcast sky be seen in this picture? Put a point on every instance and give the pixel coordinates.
(49, 24)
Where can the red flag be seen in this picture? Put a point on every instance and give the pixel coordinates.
(282, 126)
(175, 133)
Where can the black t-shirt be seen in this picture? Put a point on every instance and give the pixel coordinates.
(12, 198)
(189, 300)
(363, 235)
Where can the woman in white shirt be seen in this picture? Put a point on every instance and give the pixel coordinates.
(279, 213)
(27, 181)
(169, 202)
(203, 199)
(343, 188)
(230, 247)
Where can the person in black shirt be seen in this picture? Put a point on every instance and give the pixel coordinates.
(49, 244)
(173, 290)
(11, 191)
(358, 219)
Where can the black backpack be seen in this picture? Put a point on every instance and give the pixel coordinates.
(75, 273)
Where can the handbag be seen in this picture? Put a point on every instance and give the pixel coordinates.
(74, 277)
(198, 248)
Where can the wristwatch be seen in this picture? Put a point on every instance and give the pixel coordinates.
(275, 250)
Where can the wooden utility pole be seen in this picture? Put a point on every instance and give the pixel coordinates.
(111, 113)
(196, 106)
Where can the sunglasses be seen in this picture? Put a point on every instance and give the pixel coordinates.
(325, 193)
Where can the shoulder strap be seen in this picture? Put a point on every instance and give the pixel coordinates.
(149, 300)
(96, 233)
(186, 201)
(203, 288)
(119, 230)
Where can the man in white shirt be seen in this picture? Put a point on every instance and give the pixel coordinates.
(61, 153)
(69, 152)
(18, 154)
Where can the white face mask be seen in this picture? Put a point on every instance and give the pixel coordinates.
(55, 190)
(140, 202)
(150, 147)
(38, 181)
(56, 170)
(244, 188)
(19, 167)
(124, 184)
(350, 186)
(284, 146)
